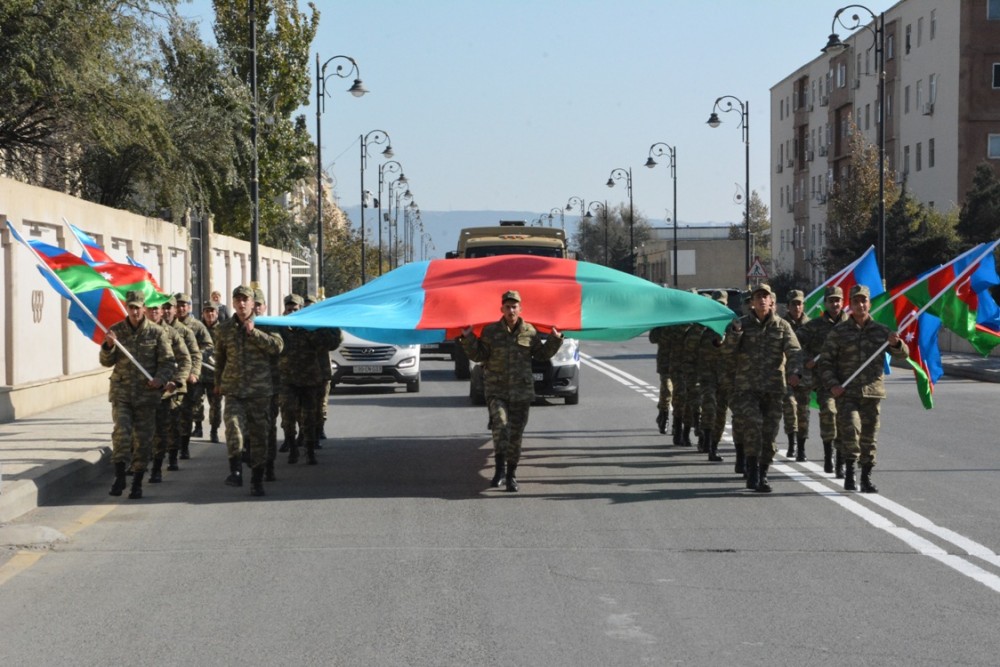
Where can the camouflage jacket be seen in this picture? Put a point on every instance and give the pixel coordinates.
(206, 344)
(191, 342)
(710, 366)
(243, 360)
(150, 345)
(847, 347)
(676, 353)
(506, 356)
(761, 349)
(690, 358)
(301, 362)
(182, 359)
(665, 339)
(811, 337)
(208, 376)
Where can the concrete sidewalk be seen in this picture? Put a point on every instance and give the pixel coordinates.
(45, 456)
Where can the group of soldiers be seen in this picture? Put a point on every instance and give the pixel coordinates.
(165, 361)
(765, 367)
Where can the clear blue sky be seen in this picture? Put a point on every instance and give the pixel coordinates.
(519, 105)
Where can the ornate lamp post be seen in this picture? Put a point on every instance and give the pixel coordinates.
(373, 137)
(557, 211)
(357, 89)
(617, 175)
(833, 47)
(713, 121)
(659, 149)
(390, 167)
(603, 208)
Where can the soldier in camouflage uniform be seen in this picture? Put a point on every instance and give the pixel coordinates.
(678, 398)
(134, 397)
(762, 344)
(173, 394)
(326, 371)
(210, 318)
(710, 369)
(690, 359)
(850, 345)
(796, 404)
(243, 375)
(189, 427)
(181, 418)
(663, 338)
(505, 349)
(260, 309)
(811, 336)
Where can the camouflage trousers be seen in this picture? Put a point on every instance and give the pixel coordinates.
(666, 390)
(722, 397)
(299, 406)
(192, 398)
(132, 435)
(508, 420)
(795, 409)
(324, 401)
(676, 396)
(857, 428)
(167, 420)
(827, 416)
(214, 407)
(246, 421)
(758, 414)
(709, 403)
(272, 428)
(691, 403)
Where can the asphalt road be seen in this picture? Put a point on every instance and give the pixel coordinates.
(619, 549)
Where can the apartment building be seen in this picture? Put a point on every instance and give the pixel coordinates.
(942, 117)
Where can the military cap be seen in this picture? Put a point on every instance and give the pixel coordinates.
(172, 301)
(294, 299)
(209, 305)
(796, 295)
(721, 297)
(511, 295)
(182, 297)
(258, 295)
(861, 290)
(309, 300)
(135, 298)
(243, 290)
(763, 287)
(834, 292)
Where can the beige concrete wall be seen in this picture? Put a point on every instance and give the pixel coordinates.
(46, 361)
(700, 263)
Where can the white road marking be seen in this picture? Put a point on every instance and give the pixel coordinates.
(919, 544)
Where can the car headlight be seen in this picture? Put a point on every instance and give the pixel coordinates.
(409, 362)
(569, 353)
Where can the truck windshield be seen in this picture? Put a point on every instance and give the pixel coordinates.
(493, 251)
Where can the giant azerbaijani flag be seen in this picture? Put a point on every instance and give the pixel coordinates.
(424, 302)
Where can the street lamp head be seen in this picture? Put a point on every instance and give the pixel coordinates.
(387, 153)
(589, 215)
(834, 45)
(650, 163)
(713, 120)
(610, 183)
(358, 89)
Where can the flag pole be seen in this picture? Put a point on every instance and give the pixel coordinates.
(87, 257)
(912, 316)
(840, 274)
(45, 267)
(917, 282)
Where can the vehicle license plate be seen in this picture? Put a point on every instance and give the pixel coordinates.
(537, 377)
(367, 369)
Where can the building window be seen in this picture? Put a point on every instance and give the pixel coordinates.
(920, 31)
(919, 156)
(996, 75)
(906, 42)
(993, 10)
(920, 95)
(890, 44)
(930, 153)
(932, 88)
(906, 100)
(993, 149)
(781, 109)
(841, 75)
(933, 27)
(906, 160)
(888, 105)
(868, 116)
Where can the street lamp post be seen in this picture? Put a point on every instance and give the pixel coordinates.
(617, 175)
(392, 167)
(556, 210)
(659, 149)
(603, 208)
(373, 137)
(394, 194)
(833, 47)
(357, 89)
(713, 121)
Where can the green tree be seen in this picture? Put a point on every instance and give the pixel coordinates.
(979, 219)
(920, 238)
(760, 229)
(606, 234)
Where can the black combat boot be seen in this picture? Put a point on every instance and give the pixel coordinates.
(257, 482)
(791, 446)
(849, 484)
(839, 467)
(800, 448)
(185, 452)
(197, 432)
(269, 471)
(172, 460)
(752, 471)
(118, 485)
(738, 467)
(311, 454)
(214, 434)
(763, 486)
(322, 432)
(235, 472)
(866, 479)
(713, 452)
(685, 435)
(293, 452)
(289, 440)
(136, 491)
(828, 456)
(498, 470)
(511, 479)
(661, 421)
(156, 475)
(676, 432)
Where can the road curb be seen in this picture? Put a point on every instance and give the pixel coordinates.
(49, 482)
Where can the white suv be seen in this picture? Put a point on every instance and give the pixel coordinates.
(359, 361)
